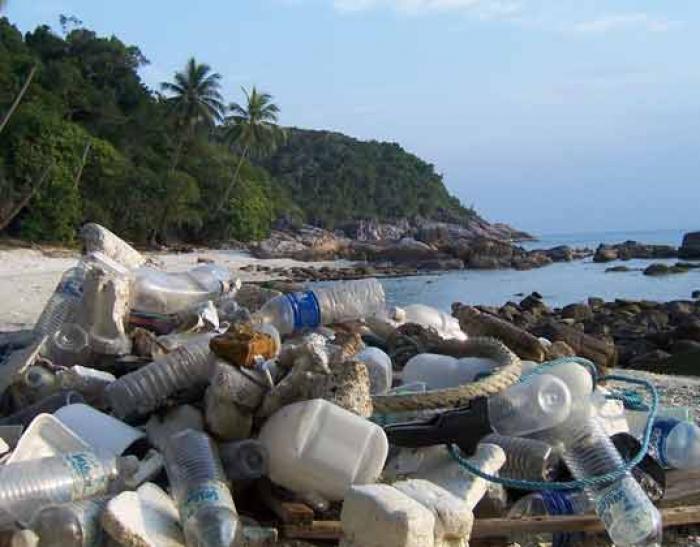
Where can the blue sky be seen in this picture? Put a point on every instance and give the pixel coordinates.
(555, 116)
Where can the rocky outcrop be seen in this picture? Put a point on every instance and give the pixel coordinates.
(633, 249)
(690, 249)
(307, 243)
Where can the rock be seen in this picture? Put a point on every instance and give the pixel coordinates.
(562, 253)
(618, 269)
(605, 253)
(379, 515)
(663, 269)
(690, 249)
(599, 351)
(633, 249)
(653, 360)
(558, 350)
(578, 312)
(97, 238)
(683, 346)
(595, 302)
(695, 294)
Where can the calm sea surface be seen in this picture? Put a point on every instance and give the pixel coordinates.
(560, 284)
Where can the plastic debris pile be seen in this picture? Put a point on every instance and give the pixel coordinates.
(166, 409)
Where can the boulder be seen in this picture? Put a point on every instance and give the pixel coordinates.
(690, 249)
(663, 269)
(605, 253)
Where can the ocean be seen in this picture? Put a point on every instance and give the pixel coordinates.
(559, 284)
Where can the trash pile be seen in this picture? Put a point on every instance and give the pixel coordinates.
(168, 409)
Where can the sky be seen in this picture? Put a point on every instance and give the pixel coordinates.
(555, 116)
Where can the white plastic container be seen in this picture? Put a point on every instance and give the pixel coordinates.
(429, 317)
(47, 437)
(443, 371)
(317, 447)
(379, 367)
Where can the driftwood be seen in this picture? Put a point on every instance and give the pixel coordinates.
(18, 98)
(601, 352)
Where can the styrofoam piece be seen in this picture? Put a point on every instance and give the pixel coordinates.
(102, 432)
(147, 517)
(316, 446)
(47, 436)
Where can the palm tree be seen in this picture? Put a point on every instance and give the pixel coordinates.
(252, 129)
(195, 101)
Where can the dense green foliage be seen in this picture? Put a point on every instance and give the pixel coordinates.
(90, 142)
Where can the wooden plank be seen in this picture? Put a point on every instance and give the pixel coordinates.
(682, 488)
(485, 529)
(287, 511)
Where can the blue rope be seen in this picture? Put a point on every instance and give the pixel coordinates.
(598, 480)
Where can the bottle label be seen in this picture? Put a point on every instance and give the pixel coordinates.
(659, 434)
(624, 510)
(89, 478)
(307, 313)
(206, 494)
(559, 503)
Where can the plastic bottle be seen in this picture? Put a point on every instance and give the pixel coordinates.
(626, 512)
(207, 512)
(429, 317)
(442, 371)
(333, 303)
(75, 524)
(379, 367)
(244, 460)
(63, 305)
(69, 345)
(318, 447)
(26, 487)
(145, 389)
(551, 503)
(164, 293)
(675, 443)
(526, 459)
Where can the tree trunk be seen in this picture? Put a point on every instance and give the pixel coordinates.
(19, 97)
(83, 160)
(227, 192)
(13, 211)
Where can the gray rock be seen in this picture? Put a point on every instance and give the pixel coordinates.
(690, 249)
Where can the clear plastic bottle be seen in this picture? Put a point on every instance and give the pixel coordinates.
(526, 459)
(63, 305)
(550, 503)
(379, 367)
(333, 303)
(145, 389)
(244, 460)
(75, 524)
(164, 293)
(26, 487)
(207, 512)
(676, 443)
(443, 371)
(69, 345)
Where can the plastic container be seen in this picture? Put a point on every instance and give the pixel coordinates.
(63, 305)
(28, 486)
(318, 447)
(542, 504)
(47, 437)
(675, 443)
(164, 293)
(379, 367)
(442, 371)
(147, 388)
(75, 524)
(244, 460)
(526, 459)
(69, 345)
(333, 303)
(207, 512)
(47, 405)
(426, 316)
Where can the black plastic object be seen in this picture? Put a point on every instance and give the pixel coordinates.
(649, 473)
(464, 427)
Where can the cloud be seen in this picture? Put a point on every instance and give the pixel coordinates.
(623, 21)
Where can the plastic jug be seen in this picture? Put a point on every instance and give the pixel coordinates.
(442, 371)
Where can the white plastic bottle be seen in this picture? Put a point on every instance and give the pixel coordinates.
(333, 303)
(63, 305)
(429, 317)
(26, 487)
(164, 293)
(526, 459)
(207, 512)
(379, 367)
(442, 371)
(675, 443)
(317, 447)
(145, 389)
(75, 524)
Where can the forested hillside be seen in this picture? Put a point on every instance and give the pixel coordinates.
(90, 142)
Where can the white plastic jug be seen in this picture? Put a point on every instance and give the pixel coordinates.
(426, 316)
(317, 447)
(443, 371)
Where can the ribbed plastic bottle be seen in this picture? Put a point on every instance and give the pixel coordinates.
(333, 303)
(526, 459)
(145, 389)
(244, 460)
(207, 512)
(675, 443)
(154, 291)
(26, 487)
(443, 371)
(63, 305)
(551, 503)
(75, 524)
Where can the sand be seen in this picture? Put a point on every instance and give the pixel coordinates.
(28, 277)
